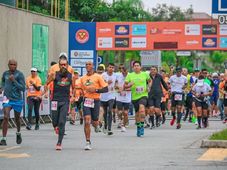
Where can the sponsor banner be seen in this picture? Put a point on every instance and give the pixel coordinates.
(192, 29)
(79, 62)
(219, 7)
(223, 42)
(105, 42)
(223, 29)
(82, 54)
(139, 29)
(139, 42)
(209, 29)
(209, 42)
(104, 30)
(165, 31)
(82, 42)
(121, 29)
(192, 42)
(165, 45)
(121, 42)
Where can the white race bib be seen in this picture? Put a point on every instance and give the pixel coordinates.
(31, 89)
(89, 103)
(5, 100)
(139, 89)
(178, 97)
(123, 93)
(54, 105)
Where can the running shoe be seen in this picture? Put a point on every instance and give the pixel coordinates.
(110, 132)
(225, 121)
(29, 127)
(178, 126)
(58, 147)
(18, 138)
(87, 146)
(3, 142)
(123, 129)
(198, 127)
(97, 129)
(172, 121)
(37, 127)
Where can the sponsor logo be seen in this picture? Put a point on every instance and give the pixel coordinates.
(223, 29)
(165, 31)
(82, 54)
(104, 30)
(105, 42)
(82, 36)
(223, 42)
(165, 45)
(209, 29)
(192, 42)
(139, 29)
(122, 29)
(209, 42)
(139, 42)
(192, 29)
(122, 42)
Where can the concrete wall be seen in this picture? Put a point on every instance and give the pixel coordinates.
(16, 37)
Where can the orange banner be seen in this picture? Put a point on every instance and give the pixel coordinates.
(160, 36)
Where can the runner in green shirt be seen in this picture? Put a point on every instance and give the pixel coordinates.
(138, 82)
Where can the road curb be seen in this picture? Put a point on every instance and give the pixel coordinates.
(214, 143)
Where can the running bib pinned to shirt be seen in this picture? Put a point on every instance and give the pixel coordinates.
(123, 93)
(139, 89)
(89, 103)
(178, 97)
(31, 89)
(5, 100)
(54, 105)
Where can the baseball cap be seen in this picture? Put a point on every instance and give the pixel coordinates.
(178, 69)
(34, 69)
(63, 54)
(102, 65)
(215, 75)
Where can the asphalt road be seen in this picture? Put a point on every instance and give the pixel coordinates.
(161, 148)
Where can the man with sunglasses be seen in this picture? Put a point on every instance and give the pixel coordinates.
(178, 83)
(92, 85)
(62, 82)
(13, 84)
(33, 85)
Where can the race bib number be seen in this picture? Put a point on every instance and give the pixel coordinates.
(5, 100)
(139, 89)
(31, 89)
(178, 97)
(123, 93)
(54, 105)
(89, 103)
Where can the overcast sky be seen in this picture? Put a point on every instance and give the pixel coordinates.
(198, 5)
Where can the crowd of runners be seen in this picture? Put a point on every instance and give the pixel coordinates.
(108, 94)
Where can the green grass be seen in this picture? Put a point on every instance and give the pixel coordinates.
(222, 135)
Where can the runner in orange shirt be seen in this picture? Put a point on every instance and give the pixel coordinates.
(33, 85)
(92, 84)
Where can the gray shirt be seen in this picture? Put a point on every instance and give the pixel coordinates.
(13, 89)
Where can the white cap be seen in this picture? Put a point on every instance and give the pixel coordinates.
(34, 69)
(63, 54)
(215, 75)
(200, 82)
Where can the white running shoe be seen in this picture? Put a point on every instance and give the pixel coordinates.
(123, 129)
(87, 146)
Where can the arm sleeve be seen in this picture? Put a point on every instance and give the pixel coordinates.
(20, 84)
